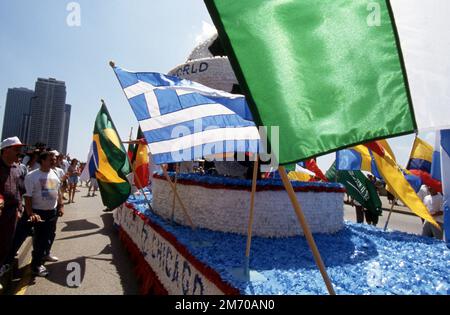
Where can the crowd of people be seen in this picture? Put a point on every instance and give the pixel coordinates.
(33, 187)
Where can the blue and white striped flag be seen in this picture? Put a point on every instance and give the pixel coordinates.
(183, 120)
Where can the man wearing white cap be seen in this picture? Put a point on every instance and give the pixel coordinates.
(11, 190)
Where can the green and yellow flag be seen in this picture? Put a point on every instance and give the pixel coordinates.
(112, 162)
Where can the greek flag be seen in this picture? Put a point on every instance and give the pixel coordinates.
(183, 120)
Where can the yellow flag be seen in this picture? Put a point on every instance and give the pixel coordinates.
(422, 150)
(387, 147)
(300, 177)
(399, 186)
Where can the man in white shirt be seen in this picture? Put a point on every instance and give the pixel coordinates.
(434, 202)
(43, 204)
(423, 192)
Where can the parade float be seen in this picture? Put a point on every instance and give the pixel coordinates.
(203, 253)
(222, 204)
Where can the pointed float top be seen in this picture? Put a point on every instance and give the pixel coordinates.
(112, 64)
(103, 102)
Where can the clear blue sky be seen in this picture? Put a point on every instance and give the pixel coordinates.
(140, 35)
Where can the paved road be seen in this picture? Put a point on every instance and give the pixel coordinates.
(398, 221)
(86, 237)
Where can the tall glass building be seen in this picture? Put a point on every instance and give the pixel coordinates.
(16, 121)
(48, 114)
(39, 116)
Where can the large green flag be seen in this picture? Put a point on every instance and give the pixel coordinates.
(320, 70)
(111, 159)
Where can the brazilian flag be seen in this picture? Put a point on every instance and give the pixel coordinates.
(112, 162)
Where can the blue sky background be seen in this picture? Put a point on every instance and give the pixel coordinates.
(139, 35)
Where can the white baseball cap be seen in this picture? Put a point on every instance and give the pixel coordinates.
(11, 142)
(56, 153)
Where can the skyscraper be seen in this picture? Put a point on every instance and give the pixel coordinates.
(17, 113)
(65, 134)
(48, 114)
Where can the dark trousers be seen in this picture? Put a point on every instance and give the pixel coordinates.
(371, 218)
(44, 234)
(52, 236)
(359, 214)
(24, 229)
(8, 220)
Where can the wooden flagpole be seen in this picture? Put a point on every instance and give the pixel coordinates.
(252, 206)
(306, 230)
(178, 197)
(172, 215)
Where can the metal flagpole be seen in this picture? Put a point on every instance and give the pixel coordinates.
(389, 216)
(306, 230)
